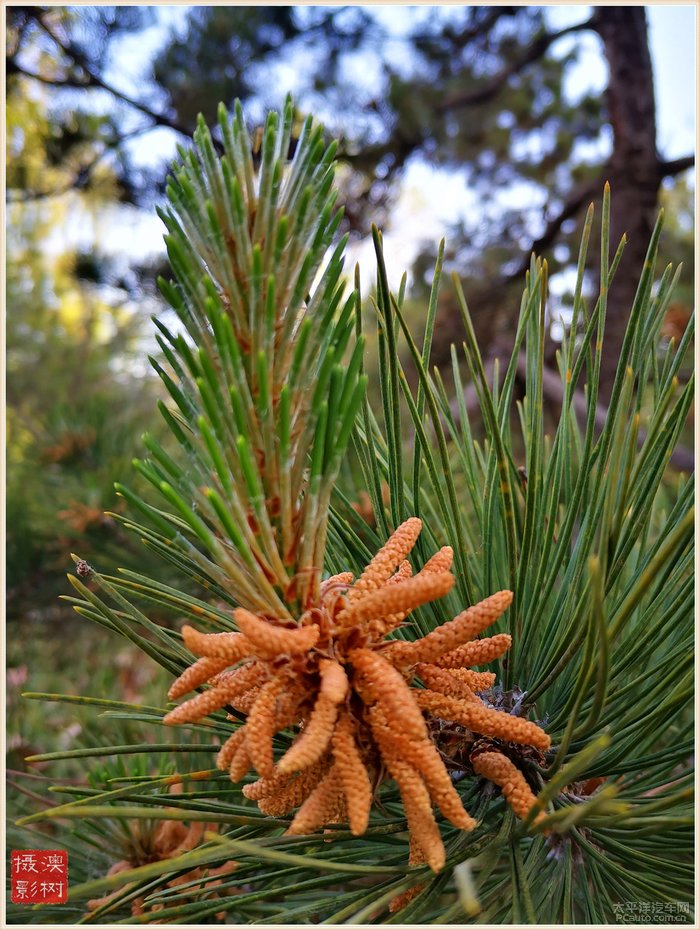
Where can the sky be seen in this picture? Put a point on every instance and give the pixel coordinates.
(431, 200)
(673, 46)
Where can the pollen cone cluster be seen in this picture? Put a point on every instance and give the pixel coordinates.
(148, 843)
(359, 701)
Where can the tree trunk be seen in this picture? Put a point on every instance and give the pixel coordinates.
(633, 170)
(635, 173)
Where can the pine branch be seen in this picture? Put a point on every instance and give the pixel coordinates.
(482, 27)
(264, 383)
(668, 169)
(402, 148)
(593, 540)
(488, 90)
(93, 79)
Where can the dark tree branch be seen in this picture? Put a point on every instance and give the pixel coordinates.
(374, 154)
(488, 90)
(668, 169)
(484, 26)
(14, 68)
(578, 198)
(553, 390)
(81, 179)
(94, 80)
(460, 38)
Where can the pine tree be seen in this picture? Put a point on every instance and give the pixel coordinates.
(323, 659)
(484, 92)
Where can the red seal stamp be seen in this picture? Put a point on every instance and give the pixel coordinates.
(39, 876)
